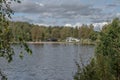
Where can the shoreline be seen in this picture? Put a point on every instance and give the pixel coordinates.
(81, 43)
(60, 43)
(43, 42)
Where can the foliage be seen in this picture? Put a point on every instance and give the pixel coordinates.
(6, 51)
(106, 63)
(6, 35)
(32, 32)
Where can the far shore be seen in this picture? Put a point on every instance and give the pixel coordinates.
(50, 42)
(44, 42)
(61, 43)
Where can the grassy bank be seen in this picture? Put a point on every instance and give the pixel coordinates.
(82, 41)
(87, 42)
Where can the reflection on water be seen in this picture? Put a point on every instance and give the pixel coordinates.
(48, 62)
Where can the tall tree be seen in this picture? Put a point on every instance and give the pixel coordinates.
(65, 32)
(35, 33)
(55, 33)
(75, 32)
(106, 63)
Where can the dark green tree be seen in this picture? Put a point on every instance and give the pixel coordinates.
(106, 63)
(65, 32)
(75, 32)
(35, 33)
(55, 33)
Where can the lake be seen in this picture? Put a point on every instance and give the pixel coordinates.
(48, 62)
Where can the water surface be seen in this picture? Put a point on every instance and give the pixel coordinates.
(48, 62)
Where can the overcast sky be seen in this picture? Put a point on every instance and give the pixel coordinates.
(60, 12)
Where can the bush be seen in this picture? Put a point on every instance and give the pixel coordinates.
(106, 63)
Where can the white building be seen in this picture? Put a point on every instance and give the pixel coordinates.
(71, 39)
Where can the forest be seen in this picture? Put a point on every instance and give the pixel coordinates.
(35, 33)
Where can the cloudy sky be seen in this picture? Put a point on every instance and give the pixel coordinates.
(60, 12)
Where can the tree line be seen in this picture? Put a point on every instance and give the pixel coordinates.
(31, 32)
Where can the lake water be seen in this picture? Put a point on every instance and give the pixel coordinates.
(48, 62)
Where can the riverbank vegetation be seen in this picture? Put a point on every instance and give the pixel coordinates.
(6, 37)
(105, 65)
(35, 33)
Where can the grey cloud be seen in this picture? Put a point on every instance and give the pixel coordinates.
(26, 19)
(26, 7)
(102, 18)
(98, 20)
(57, 11)
(22, 18)
(113, 5)
(75, 11)
(64, 11)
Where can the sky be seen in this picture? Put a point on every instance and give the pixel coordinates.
(61, 12)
